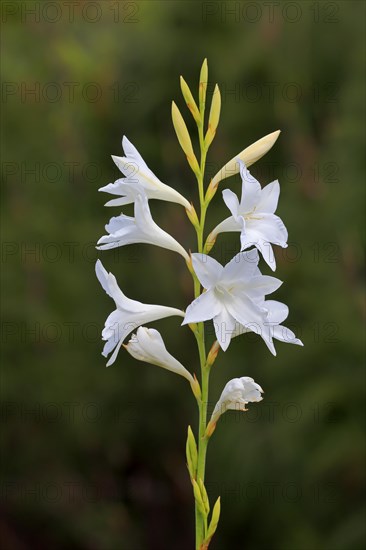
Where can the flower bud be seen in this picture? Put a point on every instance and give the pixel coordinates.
(192, 216)
(249, 156)
(213, 354)
(196, 388)
(203, 84)
(184, 139)
(198, 498)
(206, 502)
(210, 241)
(214, 117)
(188, 97)
(214, 521)
(191, 453)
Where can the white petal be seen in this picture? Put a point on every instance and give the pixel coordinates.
(102, 275)
(152, 232)
(242, 267)
(269, 198)
(207, 269)
(224, 325)
(258, 287)
(132, 153)
(266, 250)
(148, 345)
(247, 313)
(284, 334)
(115, 353)
(251, 190)
(203, 308)
(231, 201)
(269, 227)
(277, 312)
(230, 224)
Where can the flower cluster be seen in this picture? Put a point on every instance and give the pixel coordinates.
(233, 297)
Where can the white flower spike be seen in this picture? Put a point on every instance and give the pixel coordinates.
(237, 393)
(232, 295)
(254, 216)
(136, 172)
(125, 230)
(148, 345)
(129, 314)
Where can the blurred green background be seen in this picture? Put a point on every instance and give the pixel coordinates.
(94, 458)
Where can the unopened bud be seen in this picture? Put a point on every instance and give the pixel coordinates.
(196, 388)
(192, 216)
(211, 358)
(210, 241)
(183, 138)
(203, 84)
(249, 156)
(188, 97)
(214, 117)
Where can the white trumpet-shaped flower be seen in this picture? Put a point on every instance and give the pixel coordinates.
(237, 393)
(129, 314)
(125, 230)
(232, 295)
(277, 312)
(148, 345)
(136, 172)
(254, 216)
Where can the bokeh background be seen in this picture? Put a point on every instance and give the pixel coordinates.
(93, 458)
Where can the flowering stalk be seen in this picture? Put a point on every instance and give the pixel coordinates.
(233, 296)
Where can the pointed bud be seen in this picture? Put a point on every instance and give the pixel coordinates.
(214, 520)
(203, 84)
(214, 117)
(206, 502)
(183, 138)
(188, 97)
(211, 358)
(210, 241)
(198, 498)
(192, 216)
(196, 388)
(210, 193)
(191, 453)
(249, 156)
(211, 426)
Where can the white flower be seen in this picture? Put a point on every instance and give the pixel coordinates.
(148, 345)
(277, 312)
(232, 295)
(137, 172)
(125, 230)
(237, 393)
(254, 216)
(129, 314)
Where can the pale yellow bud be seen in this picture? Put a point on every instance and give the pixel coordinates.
(211, 358)
(214, 117)
(183, 138)
(214, 520)
(192, 216)
(188, 97)
(203, 84)
(249, 156)
(196, 388)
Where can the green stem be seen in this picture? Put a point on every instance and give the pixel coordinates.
(200, 337)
